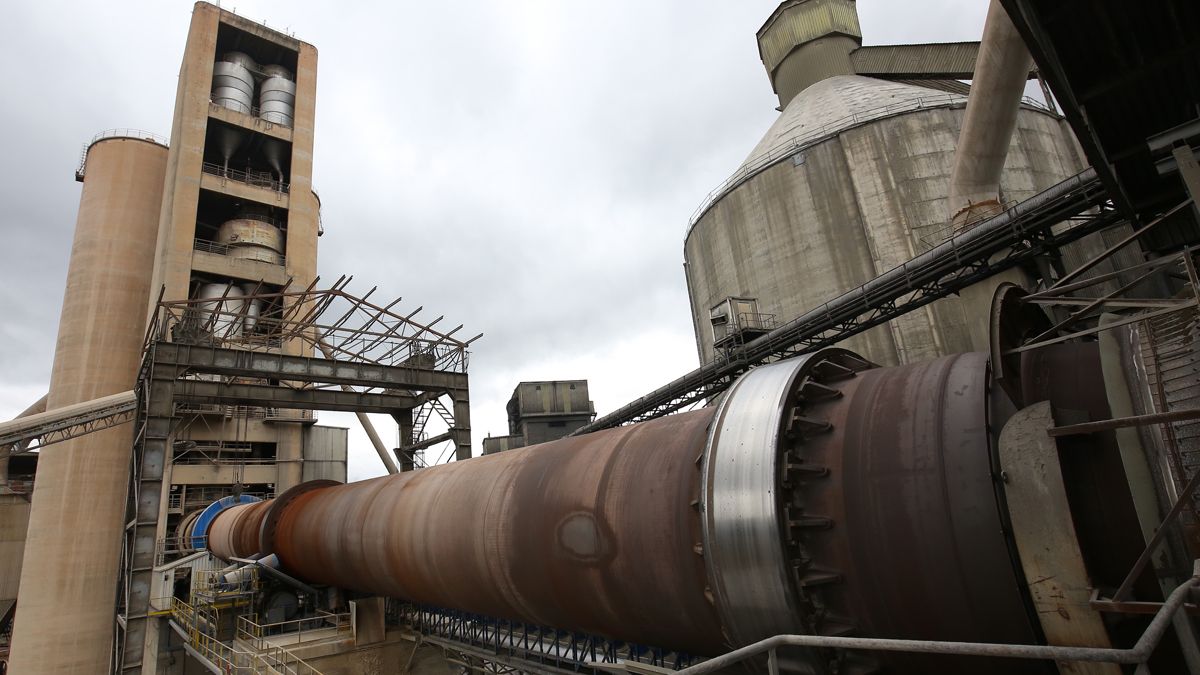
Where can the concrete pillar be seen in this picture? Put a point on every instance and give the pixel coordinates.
(462, 426)
(1001, 71)
(65, 608)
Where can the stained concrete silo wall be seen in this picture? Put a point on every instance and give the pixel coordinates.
(65, 610)
(853, 201)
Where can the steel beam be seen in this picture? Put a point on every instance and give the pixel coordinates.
(223, 393)
(245, 363)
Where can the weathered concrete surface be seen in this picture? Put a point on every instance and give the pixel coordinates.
(861, 199)
(14, 520)
(1057, 578)
(75, 524)
(1001, 70)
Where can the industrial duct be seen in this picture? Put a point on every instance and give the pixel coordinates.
(1001, 70)
(823, 496)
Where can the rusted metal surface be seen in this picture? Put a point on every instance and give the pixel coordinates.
(1070, 377)
(234, 532)
(1013, 321)
(875, 491)
(1183, 415)
(918, 537)
(1045, 534)
(596, 533)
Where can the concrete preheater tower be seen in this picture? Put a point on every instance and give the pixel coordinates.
(226, 212)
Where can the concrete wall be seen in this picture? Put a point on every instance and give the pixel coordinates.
(14, 520)
(80, 493)
(855, 205)
(494, 444)
(325, 453)
(558, 396)
(176, 262)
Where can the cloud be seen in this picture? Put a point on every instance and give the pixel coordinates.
(524, 168)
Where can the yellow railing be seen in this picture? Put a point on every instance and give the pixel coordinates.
(265, 659)
(294, 630)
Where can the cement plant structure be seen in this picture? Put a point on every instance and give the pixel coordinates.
(945, 419)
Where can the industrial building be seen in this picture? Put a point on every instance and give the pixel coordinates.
(543, 411)
(853, 179)
(945, 419)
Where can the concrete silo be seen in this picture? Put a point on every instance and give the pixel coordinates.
(81, 483)
(851, 181)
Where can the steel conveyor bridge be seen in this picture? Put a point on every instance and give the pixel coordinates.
(1019, 234)
(60, 424)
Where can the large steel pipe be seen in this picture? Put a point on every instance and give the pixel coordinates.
(821, 497)
(234, 532)
(1001, 70)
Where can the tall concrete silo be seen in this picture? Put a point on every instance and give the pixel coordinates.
(851, 181)
(81, 483)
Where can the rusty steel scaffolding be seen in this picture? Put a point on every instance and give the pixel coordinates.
(202, 353)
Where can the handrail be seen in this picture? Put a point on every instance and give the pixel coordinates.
(256, 633)
(756, 165)
(224, 249)
(1136, 655)
(262, 179)
(269, 659)
(137, 134)
(255, 112)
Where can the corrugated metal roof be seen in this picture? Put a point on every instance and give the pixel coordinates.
(799, 21)
(949, 86)
(951, 60)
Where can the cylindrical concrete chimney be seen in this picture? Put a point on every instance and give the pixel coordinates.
(69, 576)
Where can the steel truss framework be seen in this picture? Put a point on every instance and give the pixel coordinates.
(1167, 330)
(1019, 234)
(192, 357)
(42, 429)
(528, 648)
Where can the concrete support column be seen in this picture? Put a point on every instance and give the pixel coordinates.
(462, 426)
(1001, 71)
(404, 419)
(65, 614)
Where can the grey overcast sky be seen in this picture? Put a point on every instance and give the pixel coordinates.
(526, 168)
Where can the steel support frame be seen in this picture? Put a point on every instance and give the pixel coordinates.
(156, 421)
(247, 363)
(517, 644)
(160, 387)
(1138, 655)
(74, 427)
